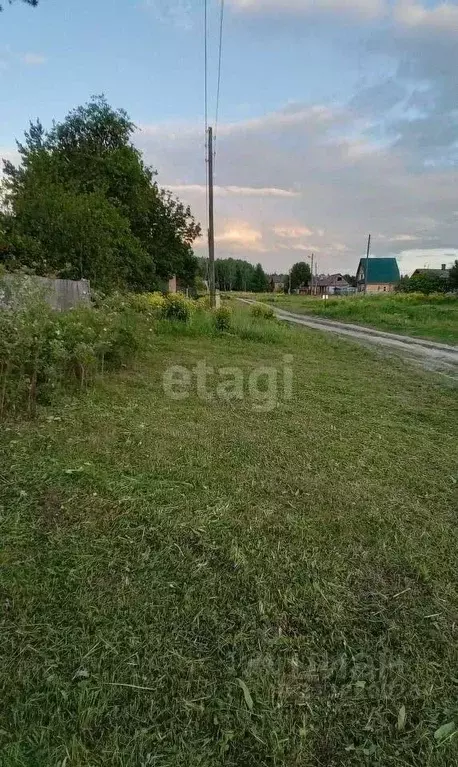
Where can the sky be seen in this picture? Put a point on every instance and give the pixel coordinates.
(337, 117)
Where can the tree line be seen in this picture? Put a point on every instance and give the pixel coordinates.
(429, 282)
(236, 274)
(83, 203)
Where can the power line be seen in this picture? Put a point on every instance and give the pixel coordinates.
(220, 58)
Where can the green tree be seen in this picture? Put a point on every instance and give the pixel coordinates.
(301, 274)
(259, 281)
(89, 157)
(453, 276)
(238, 280)
(351, 279)
(423, 283)
(29, 2)
(78, 235)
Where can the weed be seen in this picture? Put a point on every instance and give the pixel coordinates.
(222, 318)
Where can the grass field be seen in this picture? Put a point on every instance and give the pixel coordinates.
(434, 317)
(196, 583)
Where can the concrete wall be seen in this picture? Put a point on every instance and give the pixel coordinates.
(59, 294)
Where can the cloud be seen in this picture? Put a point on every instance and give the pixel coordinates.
(403, 238)
(292, 232)
(368, 8)
(232, 191)
(442, 17)
(240, 235)
(33, 59)
(175, 12)
(297, 173)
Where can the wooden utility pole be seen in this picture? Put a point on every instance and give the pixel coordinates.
(311, 282)
(211, 222)
(366, 271)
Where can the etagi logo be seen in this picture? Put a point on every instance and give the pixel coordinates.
(265, 387)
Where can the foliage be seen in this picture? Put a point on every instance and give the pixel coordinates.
(234, 274)
(351, 279)
(262, 311)
(203, 302)
(177, 307)
(42, 350)
(82, 203)
(301, 274)
(424, 283)
(222, 318)
(453, 276)
(260, 281)
(34, 3)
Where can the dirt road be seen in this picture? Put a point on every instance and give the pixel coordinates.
(433, 355)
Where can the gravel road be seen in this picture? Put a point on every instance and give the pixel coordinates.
(434, 356)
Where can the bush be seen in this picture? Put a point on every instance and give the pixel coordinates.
(262, 312)
(222, 318)
(42, 350)
(177, 307)
(203, 302)
(156, 302)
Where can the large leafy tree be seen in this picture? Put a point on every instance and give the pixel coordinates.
(29, 2)
(83, 186)
(453, 276)
(423, 283)
(301, 274)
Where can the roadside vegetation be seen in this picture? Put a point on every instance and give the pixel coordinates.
(195, 582)
(432, 316)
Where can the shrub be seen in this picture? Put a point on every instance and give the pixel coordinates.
(156, 302)
(177, 307)
(222, 318)
(42, 350)
(262, 312)
(203, 302)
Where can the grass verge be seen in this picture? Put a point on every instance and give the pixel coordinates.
(195, 583)
(413, 314)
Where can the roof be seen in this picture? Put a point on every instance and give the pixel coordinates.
(331, 280)
(379, 270)
(433, 272)
(278, 278)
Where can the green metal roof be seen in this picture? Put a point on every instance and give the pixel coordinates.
(379, 270)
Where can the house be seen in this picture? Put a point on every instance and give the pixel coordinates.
(277, 282)
(443, 272)
(326, 285)
(383, 275)
(330, 284)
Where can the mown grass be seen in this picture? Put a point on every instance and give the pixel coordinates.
(434, 317)
(196, 583)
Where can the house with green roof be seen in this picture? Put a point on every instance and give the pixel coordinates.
(382, 275)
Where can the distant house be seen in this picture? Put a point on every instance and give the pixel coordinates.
(330, 284)
(383, 275)
(442, 272)
(326, 285)
(277, 282)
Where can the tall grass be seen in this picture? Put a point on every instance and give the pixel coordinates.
(43, 352)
